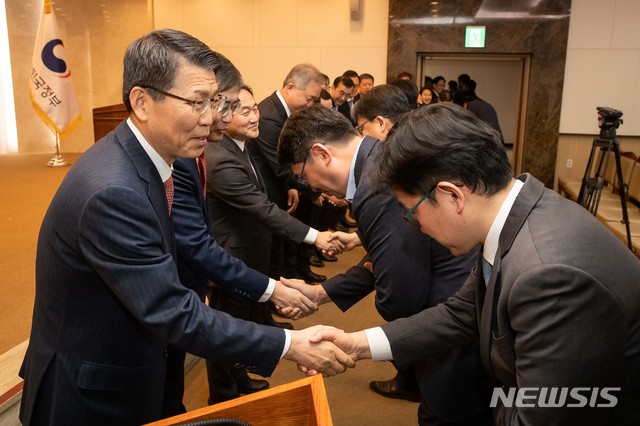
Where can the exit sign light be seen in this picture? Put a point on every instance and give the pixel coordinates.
(474, 36)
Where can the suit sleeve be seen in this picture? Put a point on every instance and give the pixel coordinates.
(348, 288)
(267, 143)
(569, 331)
(230, 182)
(437, 330)
(399, 252)
(200, 250)
(121, 239)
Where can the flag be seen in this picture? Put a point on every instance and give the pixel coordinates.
(51, 89)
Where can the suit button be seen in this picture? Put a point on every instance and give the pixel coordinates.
(165, 353)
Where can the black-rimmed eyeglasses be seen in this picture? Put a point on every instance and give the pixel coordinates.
(199, 107)
(408, 215)
(304, 163)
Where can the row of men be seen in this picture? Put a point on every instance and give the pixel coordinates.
(110, 302)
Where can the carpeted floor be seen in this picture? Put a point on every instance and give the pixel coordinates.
(28, 187)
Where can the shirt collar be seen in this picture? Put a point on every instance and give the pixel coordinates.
(351, 181)
(163, 168)
(239, 143)
(490, 247)
(284, 104)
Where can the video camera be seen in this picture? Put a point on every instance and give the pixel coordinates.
(608, 121)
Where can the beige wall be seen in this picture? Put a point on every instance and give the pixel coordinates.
(603, 65)
(264, 38)
(603, 69)
(95, 39)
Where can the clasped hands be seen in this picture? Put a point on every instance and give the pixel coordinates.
(326, 350)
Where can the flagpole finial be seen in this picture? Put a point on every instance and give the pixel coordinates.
(47, 6)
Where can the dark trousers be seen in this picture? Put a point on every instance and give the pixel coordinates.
(224, 379)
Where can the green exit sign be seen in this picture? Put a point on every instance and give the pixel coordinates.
(474, 36)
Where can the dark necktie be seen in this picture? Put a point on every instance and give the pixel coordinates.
(168, 190)
(202, 168)
(248, 156)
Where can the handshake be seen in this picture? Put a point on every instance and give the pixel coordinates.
(326, 350)
(293, 297)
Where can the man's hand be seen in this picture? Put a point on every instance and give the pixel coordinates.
(292, 200)
(355, 345)
(348, 241)
(338, 202)
(315, 293)
(321, 357)
(329, 244)
(291, 302)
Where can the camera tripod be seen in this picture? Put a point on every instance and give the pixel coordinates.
(592, 184)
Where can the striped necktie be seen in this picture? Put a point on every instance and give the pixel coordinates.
(202, 168)
(168, 190)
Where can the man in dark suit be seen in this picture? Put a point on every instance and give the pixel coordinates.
(482, 109)
(300, 89)
(346, 107)
(324, 149)
(554, 300)
(239, 212)
(108, 297)
(201, 259)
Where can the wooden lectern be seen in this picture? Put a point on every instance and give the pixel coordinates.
(107, 118)
(300, 403)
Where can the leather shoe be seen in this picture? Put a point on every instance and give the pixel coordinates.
(392, 389)
(315, 261)
(252, 386)
(340, 227)
(325, 257)
(347, 222)
(310, 277)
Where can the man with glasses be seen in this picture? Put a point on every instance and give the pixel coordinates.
(109, 300)
(554, 300)
(410, 271)
(201, 259)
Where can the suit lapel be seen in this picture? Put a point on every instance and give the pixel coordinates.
(489, 294)
(194, 173)
(149, 174)
(488, 298)
(367, 145)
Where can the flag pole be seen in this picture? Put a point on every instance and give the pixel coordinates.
(58, 160)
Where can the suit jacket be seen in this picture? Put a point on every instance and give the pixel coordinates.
(109, 300)
(263, 150)
(485, 112)
(243, 216)
(412, 272)
(561, 309)
(200, 258)
(345, 109)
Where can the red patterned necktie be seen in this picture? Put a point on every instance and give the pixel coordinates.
(168, 190)
(202, 168)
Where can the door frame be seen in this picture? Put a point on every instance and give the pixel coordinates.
(525, 72)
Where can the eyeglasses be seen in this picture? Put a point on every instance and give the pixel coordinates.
(199, 107)
(304, 163)
(408, 215)
(360, 127)
(228, 107)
